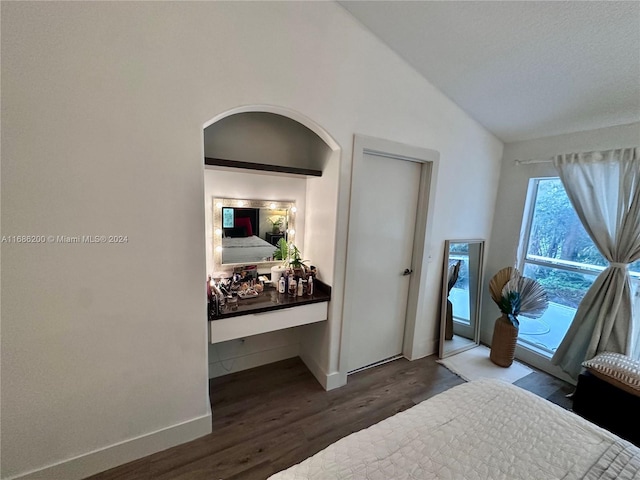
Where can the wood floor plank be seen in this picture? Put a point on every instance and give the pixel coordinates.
(236, 459)
(274, 416)
(136, 470)
(539, 383)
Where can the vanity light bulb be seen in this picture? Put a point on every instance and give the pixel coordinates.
(272, 206)
(241, 203)
(219, 204)
(218, 248)
(294, 209)
(218, 231)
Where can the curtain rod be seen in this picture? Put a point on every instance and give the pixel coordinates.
(533, 160)
(595, 155)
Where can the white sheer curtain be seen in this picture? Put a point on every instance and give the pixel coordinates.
(604, 188)
(635, 315)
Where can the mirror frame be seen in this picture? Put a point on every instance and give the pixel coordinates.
(220, 203)
(445, 296)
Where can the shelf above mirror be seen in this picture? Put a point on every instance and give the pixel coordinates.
(220, 162)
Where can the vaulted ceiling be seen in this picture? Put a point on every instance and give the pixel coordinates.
(523, 69)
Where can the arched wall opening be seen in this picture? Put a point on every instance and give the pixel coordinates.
(276, 136)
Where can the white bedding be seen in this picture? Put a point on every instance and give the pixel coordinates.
(246, 249)
(480, 430)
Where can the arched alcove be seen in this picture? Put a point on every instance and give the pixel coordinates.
(284, 112)
(264, 138)
(259, 136)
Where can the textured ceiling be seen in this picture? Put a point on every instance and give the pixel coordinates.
(522, 69)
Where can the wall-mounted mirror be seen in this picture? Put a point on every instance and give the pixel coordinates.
(247, 231)
(461, 294)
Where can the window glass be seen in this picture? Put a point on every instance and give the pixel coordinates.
(556, 231)
(563, 258)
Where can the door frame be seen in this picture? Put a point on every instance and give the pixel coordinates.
(429, 159)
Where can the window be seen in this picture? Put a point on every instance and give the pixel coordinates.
(561, 256)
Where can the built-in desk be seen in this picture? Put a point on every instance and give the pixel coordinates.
(268, 312)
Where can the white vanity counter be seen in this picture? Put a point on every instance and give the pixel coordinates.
(269, 312)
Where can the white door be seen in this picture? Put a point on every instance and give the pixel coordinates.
(381, 234)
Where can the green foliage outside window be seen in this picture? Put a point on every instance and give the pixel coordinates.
(557, 234)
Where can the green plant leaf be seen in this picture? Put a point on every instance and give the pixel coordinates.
(282, 250)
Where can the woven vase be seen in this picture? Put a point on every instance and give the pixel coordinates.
(503, 345)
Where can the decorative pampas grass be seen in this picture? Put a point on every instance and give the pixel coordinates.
(517, 295)
(533, 298)
(498, 282)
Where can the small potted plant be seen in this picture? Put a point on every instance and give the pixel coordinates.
(515, 295)
(296, 262)
(276, 224)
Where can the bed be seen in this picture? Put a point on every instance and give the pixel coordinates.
(246, 249)
(480, 430)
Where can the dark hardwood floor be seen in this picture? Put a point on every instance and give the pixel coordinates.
(271, 417)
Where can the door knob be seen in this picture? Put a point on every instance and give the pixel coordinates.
(407, 272)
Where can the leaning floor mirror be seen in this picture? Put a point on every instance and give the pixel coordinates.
(461, 294)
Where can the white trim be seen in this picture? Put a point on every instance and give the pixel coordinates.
(424, 224)
(334, 380)
(97, 461)
(328, 381)
(424, 349)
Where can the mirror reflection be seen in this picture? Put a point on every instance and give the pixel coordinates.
(461, 293)
(247, 231)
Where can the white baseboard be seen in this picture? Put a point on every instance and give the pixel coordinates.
(335, 380)
(328, 381)
(256, 359)
(424, 349)
(97, 461)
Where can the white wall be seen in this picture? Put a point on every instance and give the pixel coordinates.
(103, 106)
(255, 350)
(512, 192)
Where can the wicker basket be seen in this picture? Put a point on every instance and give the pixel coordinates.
(503, 345)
